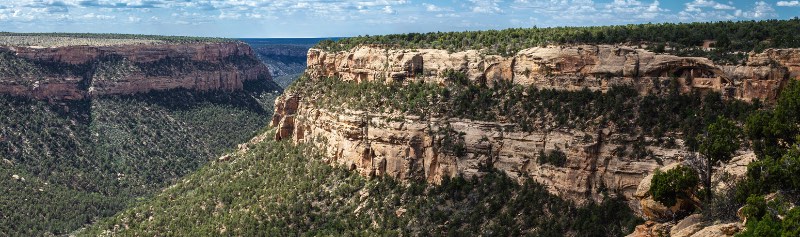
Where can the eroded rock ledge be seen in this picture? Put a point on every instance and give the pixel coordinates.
(410, 148)
(76, 72)
(567, 68)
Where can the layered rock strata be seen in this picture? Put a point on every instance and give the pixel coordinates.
(411, 148)
(567, 68)
(75, 72)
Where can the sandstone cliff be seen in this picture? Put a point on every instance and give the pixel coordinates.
(78, 71)
(409, 147)
(566, 67)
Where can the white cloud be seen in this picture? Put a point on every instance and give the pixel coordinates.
(486, 6)
(433, 8)
(373, 16)
(761, 10)
(388, 10)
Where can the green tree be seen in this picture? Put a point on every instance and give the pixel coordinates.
(717, 145)
(667, 187)
(774, 132)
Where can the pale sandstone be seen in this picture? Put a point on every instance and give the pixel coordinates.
(405, 147)
(720, 230)
(595, 67)
(688, 226)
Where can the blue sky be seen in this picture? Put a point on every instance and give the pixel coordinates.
(323, 18)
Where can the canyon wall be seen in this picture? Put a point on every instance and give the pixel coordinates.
(79, 71)
(410, 148)
(596, 67)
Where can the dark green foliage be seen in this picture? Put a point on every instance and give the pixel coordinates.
(682, 38)
(774, 136)
(555, 157)
(532, 108)
(774, 132)
(12, 66)
(277, 188)
(451, 141)
(91, 158)
(720, 141)
(456, 77)
(768, 175)
(770, 218)
(677, 183)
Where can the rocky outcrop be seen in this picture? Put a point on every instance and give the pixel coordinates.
(654, 210)
(691, 226)
(78, 71)
(430, 149)
(411, 148)
(567, 68)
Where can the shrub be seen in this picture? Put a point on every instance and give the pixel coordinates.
(770, 218)
(668, 187)
(555, 157)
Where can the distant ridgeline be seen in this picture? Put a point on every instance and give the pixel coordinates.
(682, 39)
(74, 66)
(91, 122)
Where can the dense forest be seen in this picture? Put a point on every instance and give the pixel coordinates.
(277, 188)
(682, 39)
(67, 164)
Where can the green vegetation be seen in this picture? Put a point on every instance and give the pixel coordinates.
(775, 135)
(681, 39)
(71, 39)
(718, 144)
(109, 68)
(773, 132)
(555, 157)
(678, 183)
(83, 160)
(532, 108)
(770, 187)
(770, 218)
(277, 188)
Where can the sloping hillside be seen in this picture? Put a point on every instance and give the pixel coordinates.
(81, 161)
(92, 122)
(276, 188)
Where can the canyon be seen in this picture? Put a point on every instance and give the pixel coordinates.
(408, 147)
(74, 72)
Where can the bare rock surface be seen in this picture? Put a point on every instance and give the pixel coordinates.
(596, 67)
(408, 148)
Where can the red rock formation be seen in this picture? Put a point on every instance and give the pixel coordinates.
(80, 71)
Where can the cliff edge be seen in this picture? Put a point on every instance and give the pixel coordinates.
(76, 71)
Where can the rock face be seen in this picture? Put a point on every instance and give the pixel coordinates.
(567, 68)
(75, 72)
(410, 148)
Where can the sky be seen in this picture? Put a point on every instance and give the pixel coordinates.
(341, 18)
